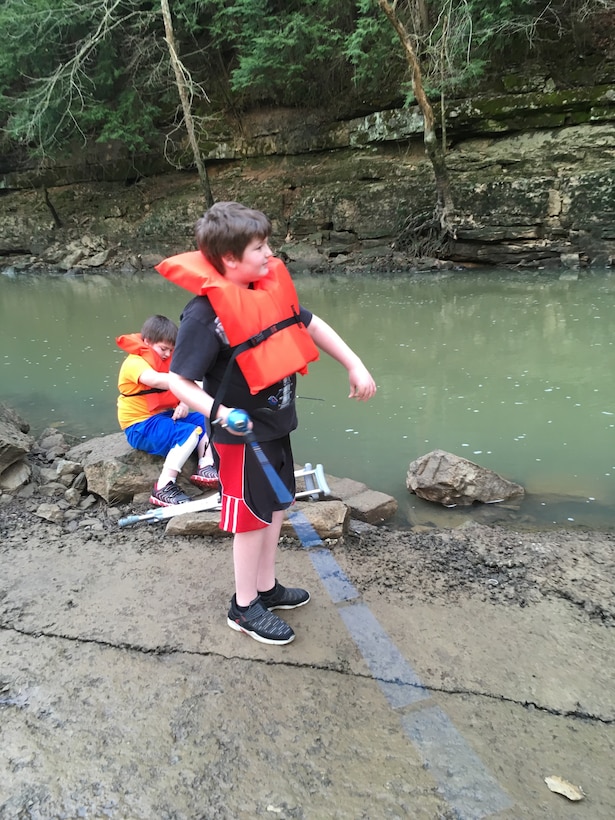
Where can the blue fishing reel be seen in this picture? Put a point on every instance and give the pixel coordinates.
(238, 421)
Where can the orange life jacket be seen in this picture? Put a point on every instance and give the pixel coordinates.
(156, 398)
(261, 323)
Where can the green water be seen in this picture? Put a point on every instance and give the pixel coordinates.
(513, 371)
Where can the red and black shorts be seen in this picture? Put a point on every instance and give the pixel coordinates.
(248, 499)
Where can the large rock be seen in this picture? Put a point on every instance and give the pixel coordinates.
(15, 476)
(454, 481)
(365, 504)
(372, 506)
(196, 523)
(15, 443)
(329, 518)
(113, 470)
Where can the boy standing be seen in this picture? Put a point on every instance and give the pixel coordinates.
(153, 419)
(246, 337)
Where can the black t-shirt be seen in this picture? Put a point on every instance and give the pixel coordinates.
(202, 353)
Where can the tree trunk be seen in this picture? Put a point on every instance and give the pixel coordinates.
(180, 81)
(56, 219)
(444, 199)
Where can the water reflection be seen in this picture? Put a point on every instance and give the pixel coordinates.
(512, 371)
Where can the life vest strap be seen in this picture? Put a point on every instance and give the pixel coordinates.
(144, 392)
(263, 335)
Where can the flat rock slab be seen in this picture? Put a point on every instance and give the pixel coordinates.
(328, 518)
(372, 506)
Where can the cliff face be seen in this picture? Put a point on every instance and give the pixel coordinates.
(533, 181)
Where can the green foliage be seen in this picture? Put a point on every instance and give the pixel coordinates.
(374, 51)
(452, 40)
(489, 16)
(290, 53)
(70, 67)
(129, 121)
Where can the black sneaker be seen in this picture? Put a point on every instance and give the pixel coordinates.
(168, 495)
(284, 598)
(259, 624)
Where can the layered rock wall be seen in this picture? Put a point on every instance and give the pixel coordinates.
(532, 175)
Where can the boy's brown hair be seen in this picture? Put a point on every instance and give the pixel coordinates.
(159, 329)
(228, 227)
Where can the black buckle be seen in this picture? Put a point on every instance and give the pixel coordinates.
(257, 339)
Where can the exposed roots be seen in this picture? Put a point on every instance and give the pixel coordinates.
(425, 234)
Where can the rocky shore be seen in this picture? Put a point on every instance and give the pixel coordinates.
(93, 483)
(60, 490)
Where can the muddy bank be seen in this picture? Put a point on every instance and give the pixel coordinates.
(489, 563)
(124, 694)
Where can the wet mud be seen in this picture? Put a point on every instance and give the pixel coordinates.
(478, 661)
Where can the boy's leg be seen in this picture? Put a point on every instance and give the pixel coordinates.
(177, 456)
(254, 555)
(161, 436)
(248, 503)
(206, 475)
(198, 420)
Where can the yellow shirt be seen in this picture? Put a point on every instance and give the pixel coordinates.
(132, 409)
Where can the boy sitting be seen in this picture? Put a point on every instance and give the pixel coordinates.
(153, 419)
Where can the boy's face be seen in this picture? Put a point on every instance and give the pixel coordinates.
(252, 266)
(163, 349)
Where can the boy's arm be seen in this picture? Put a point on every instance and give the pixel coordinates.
(195, 397)
(152, 378)
(362, 385)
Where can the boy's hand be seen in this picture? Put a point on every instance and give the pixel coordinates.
(362, 386)
(181, 411)
(236, 421)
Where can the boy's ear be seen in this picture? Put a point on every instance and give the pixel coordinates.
(229, 260)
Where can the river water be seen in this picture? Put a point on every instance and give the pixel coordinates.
(510, 370)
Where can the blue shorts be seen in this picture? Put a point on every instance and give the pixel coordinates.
(159, 434)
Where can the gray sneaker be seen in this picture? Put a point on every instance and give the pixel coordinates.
(259, 623)
(168, 495)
